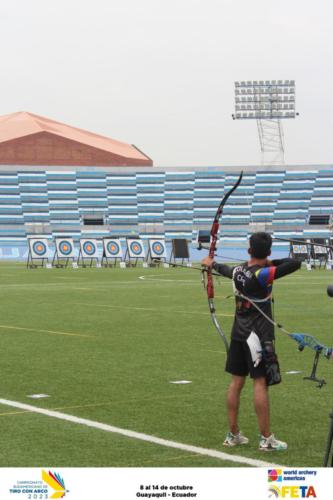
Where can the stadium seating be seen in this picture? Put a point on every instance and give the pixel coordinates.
(169, 203)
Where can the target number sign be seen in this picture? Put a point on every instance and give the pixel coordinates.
(39, 248)
(157, 248)
(320, 249)
(65, 247)
(112, 248)
(89, 248)
(135, 248)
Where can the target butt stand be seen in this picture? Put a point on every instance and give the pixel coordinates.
(64, 252)
(88, 252)
(156, 253)
(112, 253)
(38, 250)
(180, 251)
(135, 251)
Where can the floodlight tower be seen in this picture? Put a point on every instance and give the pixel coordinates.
(268, 102)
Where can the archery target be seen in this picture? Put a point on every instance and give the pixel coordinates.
(135, 248)
(65, 247)
(112, 248)
(89, 248)
(320, 249)
(157, 248)
(39, 248)
(297, 249)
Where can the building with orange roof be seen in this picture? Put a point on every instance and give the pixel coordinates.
(29, 139)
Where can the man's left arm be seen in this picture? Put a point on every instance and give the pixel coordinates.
(222, 269)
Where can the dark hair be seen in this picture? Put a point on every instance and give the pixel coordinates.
(260, 245)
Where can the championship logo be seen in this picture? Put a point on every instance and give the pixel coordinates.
(56, 482)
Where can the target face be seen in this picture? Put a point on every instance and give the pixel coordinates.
(157, 248)
(65, 248)
(135, 248)
(39, 248)
(89, 248)
(299, 249)
(112, 248)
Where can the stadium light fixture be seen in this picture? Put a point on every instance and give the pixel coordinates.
(269, 99)
(268, 102)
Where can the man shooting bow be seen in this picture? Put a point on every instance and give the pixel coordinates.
(252, 337)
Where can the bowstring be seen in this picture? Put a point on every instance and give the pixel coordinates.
(271, 320)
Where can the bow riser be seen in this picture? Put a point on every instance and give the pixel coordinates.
(210, 286)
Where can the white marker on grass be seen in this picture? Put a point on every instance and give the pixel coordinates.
(180, 382)
(38, 396)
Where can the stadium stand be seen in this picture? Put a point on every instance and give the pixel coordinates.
(169, 203)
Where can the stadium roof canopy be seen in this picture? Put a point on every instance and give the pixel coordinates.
(29, 139)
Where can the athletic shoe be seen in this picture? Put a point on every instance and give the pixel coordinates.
(235, 439)
(271, 444)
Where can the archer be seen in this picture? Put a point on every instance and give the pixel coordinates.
(252, 348)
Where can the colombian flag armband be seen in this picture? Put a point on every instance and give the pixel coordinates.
(266, 275)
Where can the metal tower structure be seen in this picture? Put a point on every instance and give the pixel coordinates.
(271, 141)
(268, 102)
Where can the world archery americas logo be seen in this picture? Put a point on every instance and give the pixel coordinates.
(56, 482)
(274, 475)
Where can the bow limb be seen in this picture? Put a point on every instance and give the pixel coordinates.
(216, 323)
(212, 249)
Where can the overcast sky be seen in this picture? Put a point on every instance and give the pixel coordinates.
(160, 73)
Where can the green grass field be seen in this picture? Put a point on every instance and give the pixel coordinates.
(104, 344)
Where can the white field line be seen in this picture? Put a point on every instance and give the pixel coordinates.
(151, 309)
(53, 332)
(55, 287)
(138, 435)
(152, 277)
(65, 285)
(224, 281)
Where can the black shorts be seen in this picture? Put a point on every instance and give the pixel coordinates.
(239, 361)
